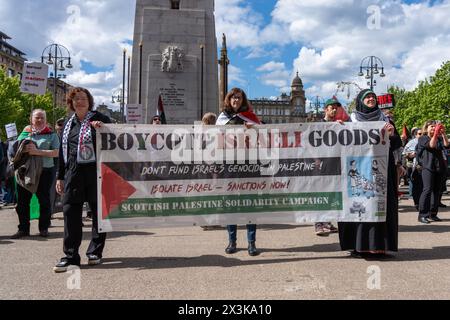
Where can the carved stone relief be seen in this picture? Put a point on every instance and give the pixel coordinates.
(172, 59)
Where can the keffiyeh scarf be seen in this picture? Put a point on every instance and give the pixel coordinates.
(85, 135)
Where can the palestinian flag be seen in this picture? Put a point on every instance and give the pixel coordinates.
(405, 133)
(160, 111)
(248, 116)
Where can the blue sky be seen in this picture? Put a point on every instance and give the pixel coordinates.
(268, 40)
(326, 40)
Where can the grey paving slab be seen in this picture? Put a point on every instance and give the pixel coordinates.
(189, 263)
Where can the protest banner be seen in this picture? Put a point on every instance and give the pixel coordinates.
(11, 130)
(135, 114)
(34, 78)
(152, 176)
(386, 101)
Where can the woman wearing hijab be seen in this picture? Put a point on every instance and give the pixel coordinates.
(77, 178)
(374, 239)
(46, 146)
(237, 111)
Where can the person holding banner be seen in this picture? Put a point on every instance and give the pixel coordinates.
(46, 146)
(77, 178)
(332, 106)
(237, 111)
(209, 119)
(373, 240)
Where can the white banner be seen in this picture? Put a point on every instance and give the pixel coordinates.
(218, 175)
(11, 130)
(34, 79)
(135, 114)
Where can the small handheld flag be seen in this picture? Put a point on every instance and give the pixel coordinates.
(160, 111)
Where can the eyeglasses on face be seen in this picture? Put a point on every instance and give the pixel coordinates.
(236, 97)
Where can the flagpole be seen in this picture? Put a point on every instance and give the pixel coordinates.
(140, 73)
(123, 87)
(202, 48)
(128, 80)
(140, 83)
(160, 110)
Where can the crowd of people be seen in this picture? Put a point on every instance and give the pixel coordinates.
(64, 161)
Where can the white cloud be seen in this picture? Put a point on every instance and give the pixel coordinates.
(81, 78)
(274, 74)
(239, 22)
(272, 66)
(332, 36)
(93, 31)
(414, 38)
(331, 63)
(235, 75)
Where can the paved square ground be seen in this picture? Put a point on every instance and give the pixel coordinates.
(189, 263)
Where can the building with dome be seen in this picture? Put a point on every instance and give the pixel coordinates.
(286, 108)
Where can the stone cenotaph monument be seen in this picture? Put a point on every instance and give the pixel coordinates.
(175, 56)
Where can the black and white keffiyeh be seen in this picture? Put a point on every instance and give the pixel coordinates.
(85, 136)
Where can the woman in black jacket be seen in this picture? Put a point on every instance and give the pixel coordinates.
(431, 157)
(77, 178)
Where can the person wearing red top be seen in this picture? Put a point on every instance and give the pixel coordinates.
(237, 111)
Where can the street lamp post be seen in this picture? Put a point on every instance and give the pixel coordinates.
(56, 55)
(128, 79)
(119, 96)
(369, 67)
(343, 85)
(122, 104)
(317, 103)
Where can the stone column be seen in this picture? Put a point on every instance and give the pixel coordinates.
(171, 62)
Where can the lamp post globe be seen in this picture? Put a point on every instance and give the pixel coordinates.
(370, 66)
(57, 56)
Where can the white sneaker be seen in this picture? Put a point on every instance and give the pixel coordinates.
(94, 260)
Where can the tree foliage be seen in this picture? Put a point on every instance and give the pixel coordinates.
(15, 106)
(429, 101)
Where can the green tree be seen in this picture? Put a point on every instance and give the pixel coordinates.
(351, 106)
(15, 106)
(429, 101)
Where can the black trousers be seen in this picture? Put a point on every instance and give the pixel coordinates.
(73, 232)
(43, 195)
(417, 186)
(429, 199)
(443, 188)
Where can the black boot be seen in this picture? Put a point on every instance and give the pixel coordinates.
(231, 248)
(252, 249)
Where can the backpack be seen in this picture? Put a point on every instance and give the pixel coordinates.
(12, 150)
